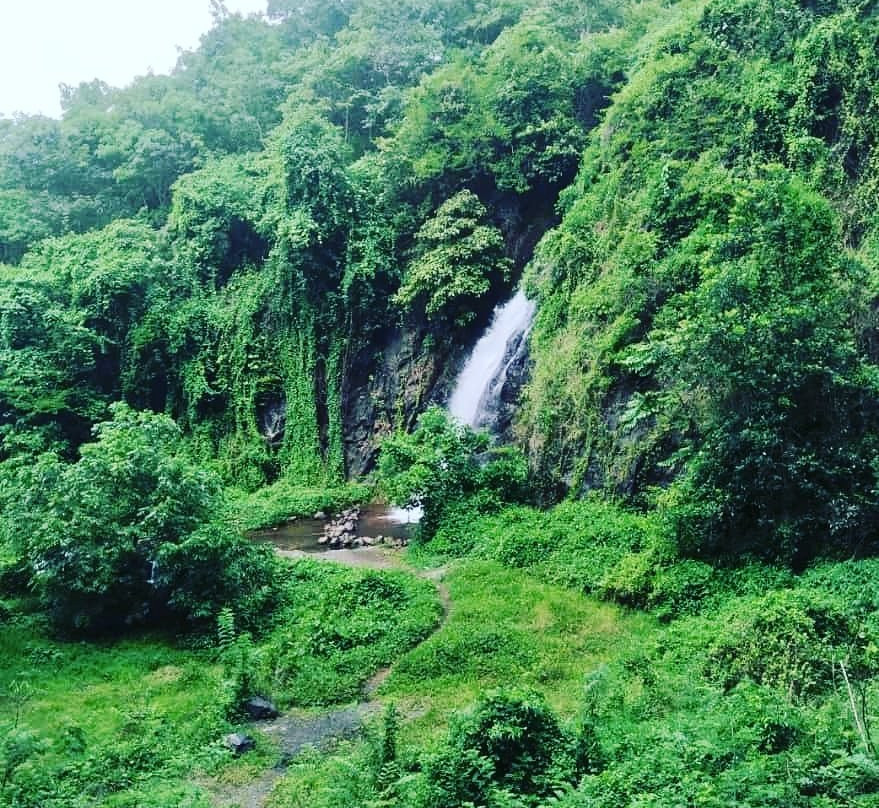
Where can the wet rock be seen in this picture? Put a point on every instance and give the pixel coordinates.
(260, 709)
(319, 515)
(239, 743)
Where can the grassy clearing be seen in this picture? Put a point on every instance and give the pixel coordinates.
(728, 692)
(507, 628)
(338, 627)
(136, 722)
(113, 724)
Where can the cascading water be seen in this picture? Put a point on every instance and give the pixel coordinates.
(476, 399)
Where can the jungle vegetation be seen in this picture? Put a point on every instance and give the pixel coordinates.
(665, 592)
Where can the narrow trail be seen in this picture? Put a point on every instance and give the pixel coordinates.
(295, 730)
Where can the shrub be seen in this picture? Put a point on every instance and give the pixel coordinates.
(509, 745)
(681, 588)
(121, 536)
(213, 567)
(444, 465)
(785, 640)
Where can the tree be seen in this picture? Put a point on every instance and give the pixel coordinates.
(458, 258)
(122, 537)
(432, 467)
(785, 460)
(442, 463)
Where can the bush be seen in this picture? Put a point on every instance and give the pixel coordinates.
(786, 640)
(278, 502)
(509, 745)
(120, 535)
(681, 588)
(444, 465)
(211, 568)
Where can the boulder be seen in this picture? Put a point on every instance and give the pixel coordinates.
(260, 709)
(319, 515)
(239, 743)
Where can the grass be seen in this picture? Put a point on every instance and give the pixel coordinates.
(104, 723)
(339, 626)
(723, 694)
(276, 503)
(138, 721)
(686, 709)
(507, 628)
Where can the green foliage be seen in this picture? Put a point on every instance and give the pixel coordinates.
(592, 546)
(785, 640)
(696, 304)
(273, 504)
(508, 746)
(105, 725)
(758, 347)
(121, 534)
(441, 463)
(458, 259)
(336, 627)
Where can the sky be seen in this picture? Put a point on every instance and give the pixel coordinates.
(47, 42)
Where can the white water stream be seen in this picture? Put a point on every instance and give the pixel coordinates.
(480, 383)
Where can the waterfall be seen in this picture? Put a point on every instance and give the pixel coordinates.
(476, 399)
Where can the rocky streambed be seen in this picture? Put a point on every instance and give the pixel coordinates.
(351, 528)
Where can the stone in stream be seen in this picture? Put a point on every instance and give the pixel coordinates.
(260, 709)
(319, 515)
(239, 743)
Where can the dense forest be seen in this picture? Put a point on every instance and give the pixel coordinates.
(241, 293)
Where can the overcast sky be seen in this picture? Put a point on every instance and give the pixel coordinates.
(46, 42)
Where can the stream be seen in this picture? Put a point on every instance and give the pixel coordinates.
(303, 534)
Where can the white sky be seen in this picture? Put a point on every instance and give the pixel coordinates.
(46, 42)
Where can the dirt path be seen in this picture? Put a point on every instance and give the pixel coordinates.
(294, 730)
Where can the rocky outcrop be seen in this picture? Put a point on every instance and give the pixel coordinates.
(386, 391)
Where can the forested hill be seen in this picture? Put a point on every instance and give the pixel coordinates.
(305, 217)
(290, 242)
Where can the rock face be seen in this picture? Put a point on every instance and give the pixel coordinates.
(260, 709)
(389, 390)
(397, 372)
(239, 743)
